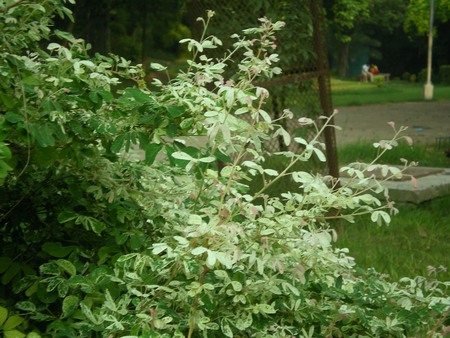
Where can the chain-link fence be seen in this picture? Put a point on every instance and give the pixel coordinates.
(304, 85)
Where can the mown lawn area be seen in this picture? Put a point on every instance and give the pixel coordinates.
(354, 93)
(417, 239)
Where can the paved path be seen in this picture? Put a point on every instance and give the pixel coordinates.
(426, 121)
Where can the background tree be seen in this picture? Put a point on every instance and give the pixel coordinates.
(345, 16)
(418, 15)
(391, 33)
(135, 29)
(357, 25)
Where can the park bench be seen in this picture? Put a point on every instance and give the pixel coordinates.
(385, 76)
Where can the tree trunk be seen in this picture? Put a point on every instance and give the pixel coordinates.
(343, 58)
(320, 48)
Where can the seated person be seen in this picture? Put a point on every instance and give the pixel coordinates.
(373, 69)
(366, 74)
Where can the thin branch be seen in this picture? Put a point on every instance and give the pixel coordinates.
(18, 3)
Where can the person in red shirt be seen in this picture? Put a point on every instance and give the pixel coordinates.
(373, 69)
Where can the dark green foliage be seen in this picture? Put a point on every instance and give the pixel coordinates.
(68, 201)
(422, 76)
(406, 76)
(137, 30)
(444, 74)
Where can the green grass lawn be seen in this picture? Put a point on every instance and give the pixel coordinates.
(418, 237)
(427, 155)
(354, 93)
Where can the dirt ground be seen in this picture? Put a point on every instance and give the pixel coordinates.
(427, 122)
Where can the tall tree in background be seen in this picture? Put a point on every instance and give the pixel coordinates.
(376, 22)
(355, 20)
(143, 29)
(136, 29)
(344, 17)
(418, 14)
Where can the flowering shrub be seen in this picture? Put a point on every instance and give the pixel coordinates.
(174, 245)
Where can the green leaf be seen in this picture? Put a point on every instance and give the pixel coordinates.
(138, 95)
(187, 123)
(320, 155)
(117, 144)
(4, 169)
(211, 259)
(208, 159)
(33, 335)
(50, 268)
(172, 130)
(53, 283)
(5, 152)
(5, 262)
(12, 271)
(271, 172)
(236, 286)
(244, 322)
(46, 297)
(25, 282)
(81, 282)
(32, 289)
(13, 334)
(151, 151)
(67, 266)
(31, 80)
(42, 134)
(70, 303)
(56, 249)
(66, 216)
(88, 313)
(265, 116)
(176, 111)
(12, 322)
(109, 301)
(63, 35)
(3, 315)
(63, 289)
(107, 96)
(7, 101)
(266, 308)
(199, 250)
(13, 117)
(222, 157)
(339, 282)
(180, 155)
(91, 223)
(226, 330)
(26, 306)
(94, 97)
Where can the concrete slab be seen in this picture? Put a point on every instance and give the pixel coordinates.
(428, 187)
(429, 183)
